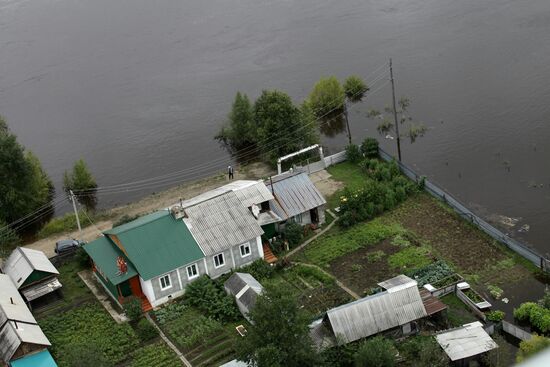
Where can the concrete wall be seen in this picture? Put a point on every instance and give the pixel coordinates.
(233, 259)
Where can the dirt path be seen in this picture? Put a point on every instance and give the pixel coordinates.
(151, 203)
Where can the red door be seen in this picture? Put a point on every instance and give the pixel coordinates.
(135, 285)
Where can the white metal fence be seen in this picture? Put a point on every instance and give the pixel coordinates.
(515, 331)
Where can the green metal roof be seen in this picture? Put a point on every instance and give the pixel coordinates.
(104, 253)
(157, 243)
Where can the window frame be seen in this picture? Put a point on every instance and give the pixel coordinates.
(165, 276)
(192, 266)
(223, 260)
(245, 245)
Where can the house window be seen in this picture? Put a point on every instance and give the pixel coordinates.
(245, 250)
(219, 260)
(192, 271)
(165, 282)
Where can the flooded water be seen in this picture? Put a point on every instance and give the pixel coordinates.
(139, 88)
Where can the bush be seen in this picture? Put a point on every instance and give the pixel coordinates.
(9, 240)
(353, 154)
(145, 330)
(376, 352)
(538, 316)
(522, 313)
(259, 269)
(495, 316)
(210, 298)
(355, 88)
(293, 234)
(65, 223)
(495, 291)
(125, 219)
(327, 97)
(132, 308)
(82, 257)
(530, 347)
(369, 148)
(170, 312)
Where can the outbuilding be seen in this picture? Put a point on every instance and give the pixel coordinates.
(245, 288)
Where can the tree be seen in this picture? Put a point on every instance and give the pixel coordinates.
(530, 347)
(279, 333)
(327, 97)
(24, 186)
(81, 182)
(239, 132)
(9, 239)
(376, 352)
(355, 88)
(281, 127)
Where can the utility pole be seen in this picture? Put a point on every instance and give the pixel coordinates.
(75, 211)
(346, 117)
(395, 113)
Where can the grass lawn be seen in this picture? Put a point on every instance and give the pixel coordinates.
(348, 173)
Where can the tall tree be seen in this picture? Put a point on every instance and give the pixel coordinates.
(281, 127)
(238, 133)
(24, 186)
(82, 183)
(279, 334)
(327, 97)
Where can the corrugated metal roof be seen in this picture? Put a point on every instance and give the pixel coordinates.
(104, 254)
(466, 341)
(248, 192)
(294, 194)
(376, 313)
(158, 245)
(17, 310)
(141, 221)
(220, 223)
(23, 261)
(38, 290)
(400, 280)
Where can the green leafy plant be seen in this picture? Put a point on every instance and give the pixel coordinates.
(355, 88)
(369, 148)
(293, 233)
(495, 291)
(145, 331)
(209, 297)
(132, 308)
(169, 312)
(432, 273)
(375, 256)
(530, 347)
(410, 258)
(472, 295)
(538, 316)
(353, 153)
(376, 351)
(327, 96)
(155, 355)
(356, 268)
(495, 316)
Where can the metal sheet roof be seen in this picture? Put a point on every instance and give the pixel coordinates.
(40, 359)
(104, 254)
(23, 261)
(376, 313)
(400, 280)
(294, 194)
(13, 334)
(220, 223)
(41, 289)
(248, 192)
(237, 281)
(157, 244)
(12, 305)
(466, 341)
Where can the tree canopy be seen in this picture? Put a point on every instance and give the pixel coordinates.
(327, 97)
(376, 352)
(279, 334)
(355, 88)
(239, 133)
(24, 185)
(81, 182)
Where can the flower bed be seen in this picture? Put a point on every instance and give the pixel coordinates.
(450, 280)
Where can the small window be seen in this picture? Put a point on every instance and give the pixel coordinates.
(165, 282)
(192, 271)
(219, 260)
(245, 250)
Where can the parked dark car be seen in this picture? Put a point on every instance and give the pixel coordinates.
(66, 246)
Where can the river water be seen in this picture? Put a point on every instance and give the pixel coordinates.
(139, 88)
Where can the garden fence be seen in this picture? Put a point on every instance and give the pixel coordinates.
(515, 331)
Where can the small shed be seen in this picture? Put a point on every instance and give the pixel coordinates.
(465, 342)
(20, 335)
(398, 306)
(32, 273)
(245, 288)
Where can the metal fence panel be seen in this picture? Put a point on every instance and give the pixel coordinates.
(515, 331)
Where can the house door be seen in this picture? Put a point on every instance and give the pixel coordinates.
(135, 285)
(124, 289)
(314, 215)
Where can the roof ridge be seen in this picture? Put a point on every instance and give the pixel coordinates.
(137, 226)
(25, 256)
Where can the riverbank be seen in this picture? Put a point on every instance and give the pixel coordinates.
(92, 228)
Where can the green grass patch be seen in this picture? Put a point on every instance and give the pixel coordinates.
(375, 256)
(312, 275)
(348, 173)
(458, 313)
(65, 223)
(89, 324)
(155, 355)
(410, 258)
(342, 241)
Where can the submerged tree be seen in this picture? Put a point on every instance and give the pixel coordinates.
(355, 88)
(25, 188)
(278, 334)
(239, 133)
(82, 183)
(327, 97)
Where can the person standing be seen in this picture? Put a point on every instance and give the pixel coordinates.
(230, 172)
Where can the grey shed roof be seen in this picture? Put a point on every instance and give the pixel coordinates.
(16, 310)
(382, 311)
(23, 261)
(13, 334)
(221, 222)
(294, 194)
(466, 341)
(400, 280)
(245, 288)
(248, 192)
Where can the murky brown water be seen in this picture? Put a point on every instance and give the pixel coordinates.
(139, 88)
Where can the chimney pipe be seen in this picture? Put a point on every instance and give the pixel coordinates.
(11, 300)
(15, 322)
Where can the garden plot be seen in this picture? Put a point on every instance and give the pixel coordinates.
(155, 355)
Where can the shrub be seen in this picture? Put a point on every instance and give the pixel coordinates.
(145, 330)
(522, 313)
(530, 347)
(259, 269)
(170, 312)
(327, 96)
(132, 308)
(293, 233)
(210, 298)
(65, 223)
(495, 316)
(376, 351)
(369, 148)
(355, 88)
(495, 291)
(353, 154)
